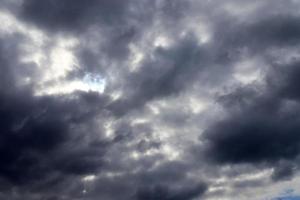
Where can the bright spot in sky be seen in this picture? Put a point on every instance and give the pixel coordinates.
(89, 178)
(161, 41)
(90, 82)
(86, 182)
(94, 82)
(246, 72)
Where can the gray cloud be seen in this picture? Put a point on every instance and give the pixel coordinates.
(198, 98)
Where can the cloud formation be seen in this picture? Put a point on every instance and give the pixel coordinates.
(149, 100)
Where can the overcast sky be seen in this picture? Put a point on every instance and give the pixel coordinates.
(149, 99)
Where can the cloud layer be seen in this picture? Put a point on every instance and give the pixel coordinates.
(149, 100)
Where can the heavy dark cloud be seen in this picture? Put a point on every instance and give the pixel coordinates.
(261, 120)
(169, 72)
(39, 141)
(35, 133)
(70, 15)
(282, 31)
(262, 125)
(164, 193)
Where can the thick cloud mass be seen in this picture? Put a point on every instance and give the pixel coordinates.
(161, 192)
(74, 15)
(149, 100)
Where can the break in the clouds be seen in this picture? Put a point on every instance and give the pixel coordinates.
(149, 100)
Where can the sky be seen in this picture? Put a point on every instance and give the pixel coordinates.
(149, 99)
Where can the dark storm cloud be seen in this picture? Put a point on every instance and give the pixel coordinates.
(73, 15)
(119, 24)
(34, 134)
(168, 73)
(284, 171)
(171, 69)
(282, 30)
(114, 47)
(164, 193)
(235, 39)
(77, 16)
(248, 183)
(115, 23)
(38, 137)
(48, 143)
(167, 181)
(262, 125)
